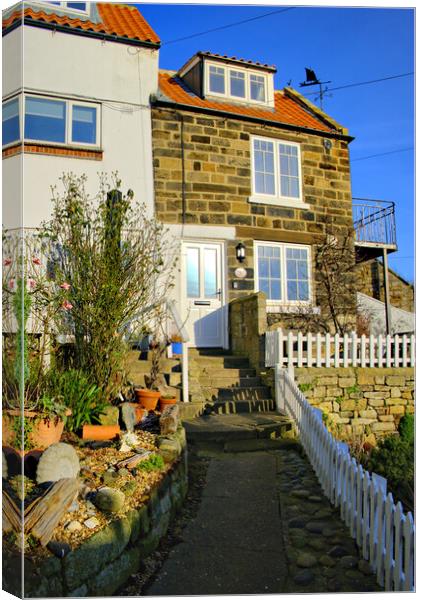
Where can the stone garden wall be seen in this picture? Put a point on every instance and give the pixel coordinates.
(102, 564)
(247, 327)
(368, 401)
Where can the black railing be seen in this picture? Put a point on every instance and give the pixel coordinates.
(374, 221)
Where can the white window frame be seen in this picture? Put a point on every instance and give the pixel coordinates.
(19, 140)
(62, 6)
(247, 72)
(283, 247)
(68, 128)
(276, 199)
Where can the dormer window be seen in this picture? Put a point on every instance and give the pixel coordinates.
(257, 88)
(77, 7)
(236, 83)
(216, 80)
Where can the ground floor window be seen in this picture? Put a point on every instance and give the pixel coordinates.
(283, 272)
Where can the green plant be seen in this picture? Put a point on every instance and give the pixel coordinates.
(22, 428)
(407, 428)
(111, 256)
(339, 400)
(305, 387)
(80, 395)
(153, 463)
(353, 389)
(22, 485)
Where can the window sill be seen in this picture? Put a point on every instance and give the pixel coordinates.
(52, 150)
(292, 309)
(283, 202)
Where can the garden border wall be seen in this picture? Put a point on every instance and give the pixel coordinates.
(102, 563)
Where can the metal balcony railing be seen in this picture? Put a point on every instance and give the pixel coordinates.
(374, 222)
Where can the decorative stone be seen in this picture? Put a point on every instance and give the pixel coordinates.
(91, 523)
(109, 477)
(337, 552)
(348, 562)
(169, 448)
(110, 500)
(297, 523)
(315, 526)
(123, 472)
(129, 441)
(315, 499)
(59, 549)
(74, 526)
(327, 561)
(169, 420)
(364, 567)
(74, 506)
(300, 493)
(109, 416)
(305, 559)
(128, 415)
(4, 469)
(59, 461)
(304, 577)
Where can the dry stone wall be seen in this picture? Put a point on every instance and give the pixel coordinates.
(359, 401)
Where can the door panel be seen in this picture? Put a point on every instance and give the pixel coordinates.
(203, 293)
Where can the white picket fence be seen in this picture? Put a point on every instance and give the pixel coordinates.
(379, 526)
(326, 350)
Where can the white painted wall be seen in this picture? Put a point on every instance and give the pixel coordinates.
(119, 77)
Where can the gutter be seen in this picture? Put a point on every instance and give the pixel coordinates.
(81, 32)
(159, 103)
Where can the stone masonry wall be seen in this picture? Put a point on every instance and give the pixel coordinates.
(359, 401)
(371, 283)
(102, 563)
(217, 183)
(247, 327)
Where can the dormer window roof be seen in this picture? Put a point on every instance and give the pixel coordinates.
(229, 78)
(77, 8)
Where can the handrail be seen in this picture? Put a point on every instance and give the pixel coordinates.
(374, 221)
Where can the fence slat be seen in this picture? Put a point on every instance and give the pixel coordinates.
(388, 557)
(354, 349)
(345, 349)
(318, 350)
(396, 359)
(300, 349)
(412, 351)
(327, 355)
(366, 516)
(337, 351)
(397, 543)
(408, 555)
(363, 350)
(388, 351)
(309, 349)
(380, 350)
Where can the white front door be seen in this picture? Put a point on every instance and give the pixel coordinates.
(203, 293)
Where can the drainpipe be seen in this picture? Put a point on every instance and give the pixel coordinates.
(388, 310)
(183, 170)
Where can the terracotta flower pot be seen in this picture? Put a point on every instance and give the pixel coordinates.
(148, 398)
(100, 432)
(167, 402)
(42, 431)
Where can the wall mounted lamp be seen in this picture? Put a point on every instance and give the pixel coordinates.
(240, 251)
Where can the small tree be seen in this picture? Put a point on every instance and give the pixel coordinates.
(113, 260)
(336, 277)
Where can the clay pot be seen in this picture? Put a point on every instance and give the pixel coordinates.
(45, 431)
(163, 402)
(147, 398)
(100, 432)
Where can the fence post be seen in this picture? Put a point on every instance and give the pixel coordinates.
(327, 357)
(279, 389)
(185, 372)
(279, 347)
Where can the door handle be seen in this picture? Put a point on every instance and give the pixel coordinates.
(218, 293)
(202, 302)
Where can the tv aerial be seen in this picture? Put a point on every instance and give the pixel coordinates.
(312, 79)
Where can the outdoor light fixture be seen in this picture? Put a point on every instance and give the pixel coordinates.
(240, 250)
(327, 144)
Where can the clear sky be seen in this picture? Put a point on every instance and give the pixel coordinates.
(342, 45)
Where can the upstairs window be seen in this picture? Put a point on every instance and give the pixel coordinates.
(10, 122)
(84, 124)
(276, 171)
(71, 6)
(236, 83)
(283, 272)
(45, 120)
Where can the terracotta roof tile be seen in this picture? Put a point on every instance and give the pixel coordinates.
(286, 110)
(116, 19)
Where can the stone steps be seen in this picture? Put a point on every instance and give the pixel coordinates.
(229, 381)
(221, 362)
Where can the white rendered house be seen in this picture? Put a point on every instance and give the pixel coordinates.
(77, 78)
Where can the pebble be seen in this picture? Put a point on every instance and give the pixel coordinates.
(297, 523)
(110, 500)
(74, 506)
(333, 585)
(315, 526)
(323, 513)
(91, 523)
(328, 532)
(301, 493)
(315, 498)
(59, 549)
(317, 543)
(304, 577)
(327, 561)
(74, 526)
(364, 567)
(123, 472)
(348, 562)
(306, 559)
(337, 552)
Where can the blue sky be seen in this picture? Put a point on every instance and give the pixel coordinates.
(343, 45)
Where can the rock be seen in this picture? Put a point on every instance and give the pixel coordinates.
(74, 526)
(317, 543)
(4, 470)
(333, 585)
(327, 561)
(315, 499)
(84, 491)
(128, 415)
(110, 500)
(168, 423)
(90, 506)
(305, 559)
(364, 567)
(123, 472)
(315, 526)
(91, 523)
(58, 461)
(304, 577)
(59, 549)
(337, 552)
(354, 575)
(109, 477)
(109, 416)
(300, 493)
(74, 506)
(297, 523)
(169, 449)
(323, 513)
(328, 532)
(129, 488)
(129, 441)
(348, 562)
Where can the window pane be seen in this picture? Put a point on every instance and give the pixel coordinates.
(275, 266)
(209, 265)
(303, 290)
(292, 290)
(275, 289)
(289, 171)
(217, 80)
(264, 267)
(192, 272)
(77, 5)
(297, 274)
(45, 120)
(84, 124)
(264, 168)
(264, 286)
(257, 88)
(237, 84)
(11, 128)
(269, 271)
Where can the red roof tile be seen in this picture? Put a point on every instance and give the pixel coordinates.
(286, 111)
(116, 19)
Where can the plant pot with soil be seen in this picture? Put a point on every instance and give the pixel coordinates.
(100, 432)
(167, 400)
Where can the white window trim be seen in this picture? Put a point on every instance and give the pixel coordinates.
(19, 140)
(284, 302)
(276, 199)
(64, 8)
(68, 130)
(267, 102)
